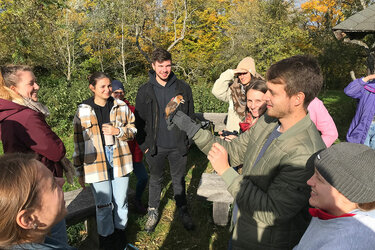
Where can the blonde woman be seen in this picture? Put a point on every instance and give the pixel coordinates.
(24, 128)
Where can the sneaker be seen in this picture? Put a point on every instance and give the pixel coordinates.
(185, 218)
(152, 220)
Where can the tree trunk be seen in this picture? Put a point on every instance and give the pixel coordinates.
(122, 51)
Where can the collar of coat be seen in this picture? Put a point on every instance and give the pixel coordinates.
(297, 128)
(316, 212)
(180, 90)
(116, 103)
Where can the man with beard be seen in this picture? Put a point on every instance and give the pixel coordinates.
(156, 141)
(271, 196)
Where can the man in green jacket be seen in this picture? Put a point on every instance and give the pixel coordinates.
(271, 196)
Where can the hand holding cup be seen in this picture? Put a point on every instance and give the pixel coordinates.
(109, 131)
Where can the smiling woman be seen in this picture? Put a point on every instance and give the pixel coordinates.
(26, 86)
(31, 204)
(343, 197)
(24, 128)
(230, 87)
(102, 127)
(255, 104)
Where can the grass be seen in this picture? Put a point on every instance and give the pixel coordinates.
(341, 108)
(170, 234)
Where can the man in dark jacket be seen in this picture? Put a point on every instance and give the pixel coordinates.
(156, 141)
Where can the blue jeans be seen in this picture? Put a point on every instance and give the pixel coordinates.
(108, 195)
(142, 177)
(370, 139)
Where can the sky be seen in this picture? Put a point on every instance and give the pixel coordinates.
(298, 2)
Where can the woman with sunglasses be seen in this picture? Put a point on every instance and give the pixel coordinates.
(138, 166)
(230, 87)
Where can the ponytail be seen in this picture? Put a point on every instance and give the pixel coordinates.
(5, 92)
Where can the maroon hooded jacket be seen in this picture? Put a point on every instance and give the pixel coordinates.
(24, 130)
(133, 145)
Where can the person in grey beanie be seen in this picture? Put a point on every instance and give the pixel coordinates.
(343, 197)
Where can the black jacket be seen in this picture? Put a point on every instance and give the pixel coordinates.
(147, 115)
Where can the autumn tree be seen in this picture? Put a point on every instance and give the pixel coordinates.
(268, 31)
(26, 28)
(321, 16)
(65, 35)
(203, 25)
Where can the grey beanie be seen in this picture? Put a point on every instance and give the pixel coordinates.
(348, 167)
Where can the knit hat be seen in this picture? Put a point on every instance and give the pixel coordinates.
(116, 84)
(246, 65)
(348, 167)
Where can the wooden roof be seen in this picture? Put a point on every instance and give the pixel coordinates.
(361, 22)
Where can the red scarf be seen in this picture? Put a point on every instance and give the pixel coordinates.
(247, 123)
(316, 212)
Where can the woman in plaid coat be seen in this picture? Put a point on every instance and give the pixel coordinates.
(105, 165)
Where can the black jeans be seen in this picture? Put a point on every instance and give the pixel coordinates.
(177, 164)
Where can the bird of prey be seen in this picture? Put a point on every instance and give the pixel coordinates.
(173, 104)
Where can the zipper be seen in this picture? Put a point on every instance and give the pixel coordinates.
(370, 89)
(156, 124)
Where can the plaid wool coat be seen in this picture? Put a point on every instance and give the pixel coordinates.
(89, 155)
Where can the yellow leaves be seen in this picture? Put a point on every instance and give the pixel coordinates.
(89, 4)
(323, 12)
(3, 2)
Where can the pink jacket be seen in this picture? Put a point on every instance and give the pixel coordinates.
(323, 121)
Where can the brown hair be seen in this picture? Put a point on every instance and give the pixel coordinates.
(299, 74)
(257, 84)
(94, 77)
(366, 206)
(160, 55)
(18, 185)
(9, 76)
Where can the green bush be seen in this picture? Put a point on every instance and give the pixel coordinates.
(205, 101)
(62, 98)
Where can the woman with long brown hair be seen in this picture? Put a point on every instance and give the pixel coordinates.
(102, 127)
